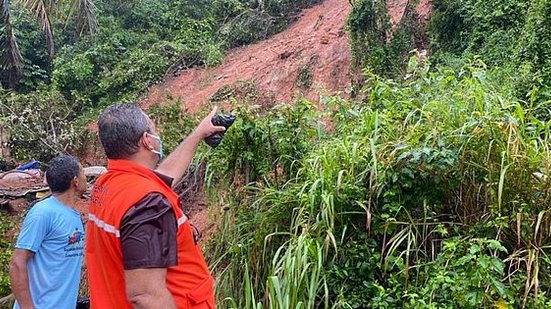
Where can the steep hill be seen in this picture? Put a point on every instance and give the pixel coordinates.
(315, 47)
(310, 58)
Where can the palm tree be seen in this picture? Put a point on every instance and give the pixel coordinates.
(10, 55)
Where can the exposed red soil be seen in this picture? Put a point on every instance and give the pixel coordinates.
(396, 10)
(317, 42)
(82, 207)
(203, 223)
(424, 9)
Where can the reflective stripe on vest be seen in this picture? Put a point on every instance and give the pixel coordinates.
(111, 229)
(115, 192)
(102, 225)
(182, 220)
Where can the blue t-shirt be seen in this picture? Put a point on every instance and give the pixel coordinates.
(54, 232)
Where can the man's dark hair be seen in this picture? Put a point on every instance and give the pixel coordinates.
(61, 170)
(120, 128)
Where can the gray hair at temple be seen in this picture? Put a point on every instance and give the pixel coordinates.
(120, 128)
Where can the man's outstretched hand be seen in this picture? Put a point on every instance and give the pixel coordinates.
(177, 163)
(206, 128)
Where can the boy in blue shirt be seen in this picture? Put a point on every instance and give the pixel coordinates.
(46, 264)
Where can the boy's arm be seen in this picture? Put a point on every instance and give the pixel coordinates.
(20, 278)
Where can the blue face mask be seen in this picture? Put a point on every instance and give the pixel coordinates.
(160, 152)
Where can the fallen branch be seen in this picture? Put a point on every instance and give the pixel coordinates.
(6, 300)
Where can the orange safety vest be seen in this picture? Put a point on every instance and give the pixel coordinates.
(116, 191)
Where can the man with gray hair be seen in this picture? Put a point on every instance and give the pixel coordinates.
(46, 265)
(141, 250)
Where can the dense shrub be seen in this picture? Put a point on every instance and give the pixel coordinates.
(378, 46)
(39, 124)
(513, 34)
(136, 45)
(424, 197)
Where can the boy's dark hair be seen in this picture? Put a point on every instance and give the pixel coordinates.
(61, 170)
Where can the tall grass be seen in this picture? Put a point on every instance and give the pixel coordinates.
(434, 184)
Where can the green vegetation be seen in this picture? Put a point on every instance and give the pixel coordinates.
(38, 127)
(428, 195)
(376, 45)
(136, 43)
(428, 189)
(6, 246)
(513, 34)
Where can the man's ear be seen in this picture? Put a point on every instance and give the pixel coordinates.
(143, 140)
(146, 142)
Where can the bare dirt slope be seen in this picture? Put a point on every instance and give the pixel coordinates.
(316, 44)
(310, 58)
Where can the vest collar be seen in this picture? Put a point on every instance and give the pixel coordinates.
(128, 166)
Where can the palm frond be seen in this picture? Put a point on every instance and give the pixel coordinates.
(5, 8)
(41, 10)
(86, 19)
(11, 60)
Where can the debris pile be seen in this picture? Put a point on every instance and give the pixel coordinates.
(16, 185)
(26, 184)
